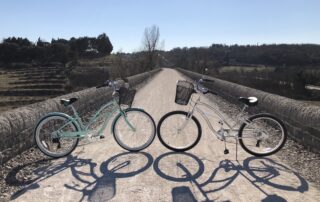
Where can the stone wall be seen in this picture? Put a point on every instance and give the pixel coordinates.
(16, 126)
(302, 120)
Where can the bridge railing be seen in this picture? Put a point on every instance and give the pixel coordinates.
(16, 126)
(302, 120)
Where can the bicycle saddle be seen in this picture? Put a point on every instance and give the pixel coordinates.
(67, 102)
(250, 101)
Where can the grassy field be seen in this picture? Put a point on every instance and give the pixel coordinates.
(225, 69)
(29, 84)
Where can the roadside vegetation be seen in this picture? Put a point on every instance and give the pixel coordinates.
(278, 68)
(35, 71)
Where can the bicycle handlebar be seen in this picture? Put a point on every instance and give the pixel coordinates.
(203, 89)
(206, 80)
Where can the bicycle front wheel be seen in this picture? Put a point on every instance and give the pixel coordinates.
(179, 132)
(135, 130)
(262, 135)
(55, 146)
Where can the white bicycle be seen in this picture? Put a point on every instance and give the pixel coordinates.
(260, 135)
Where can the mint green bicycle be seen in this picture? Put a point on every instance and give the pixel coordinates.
(57, 134)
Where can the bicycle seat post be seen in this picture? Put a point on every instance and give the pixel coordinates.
(73, 109)
(244, 108)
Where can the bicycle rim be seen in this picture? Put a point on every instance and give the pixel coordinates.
(179, 132)
(263, 136)
(138, 137)
(55, 147)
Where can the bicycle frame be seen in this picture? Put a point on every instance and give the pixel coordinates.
(222, 121)
(84, 128)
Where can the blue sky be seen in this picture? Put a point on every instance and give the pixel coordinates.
(181, 22)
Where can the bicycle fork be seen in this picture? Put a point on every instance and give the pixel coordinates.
(188, 117)
(128, 122)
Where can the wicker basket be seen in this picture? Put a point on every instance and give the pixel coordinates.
(183, 92)
(126, 96)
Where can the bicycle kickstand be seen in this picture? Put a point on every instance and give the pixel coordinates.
(226, 151)
(236, 149)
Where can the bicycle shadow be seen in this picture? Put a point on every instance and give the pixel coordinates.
(103, 188)
(184, 167)
(267, 170)
(260, 172)
(40, 174)
(182, 194)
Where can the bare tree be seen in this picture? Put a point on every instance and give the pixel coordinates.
(151, 44)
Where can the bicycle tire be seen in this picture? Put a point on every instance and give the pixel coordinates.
(274, 150)
(40, 144)
(135, 119)
(173, 148)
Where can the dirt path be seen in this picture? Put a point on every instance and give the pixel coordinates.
(103, 171)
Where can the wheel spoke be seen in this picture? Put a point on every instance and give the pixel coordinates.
(141, 137)
(55, 147)
(177, 132)
(263, 135)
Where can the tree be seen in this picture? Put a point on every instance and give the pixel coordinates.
(150, 44)
(42, 43)
(104, 45)
(19, 41)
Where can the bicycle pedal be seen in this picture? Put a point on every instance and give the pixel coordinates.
(226, 151)
(258, 143)
(102, 137)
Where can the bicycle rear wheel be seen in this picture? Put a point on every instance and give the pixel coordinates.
(179, 132)
(140, 136)
(53, 146)
(263, 135)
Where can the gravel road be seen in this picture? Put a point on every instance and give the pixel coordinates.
(102, 171)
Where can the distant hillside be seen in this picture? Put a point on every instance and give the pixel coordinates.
(27, 83)
(282, 69)
(216, 55)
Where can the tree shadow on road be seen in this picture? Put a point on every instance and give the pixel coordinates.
(260, 172)
(103, 187)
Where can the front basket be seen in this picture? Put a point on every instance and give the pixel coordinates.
(126, 96)
(183, 92)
